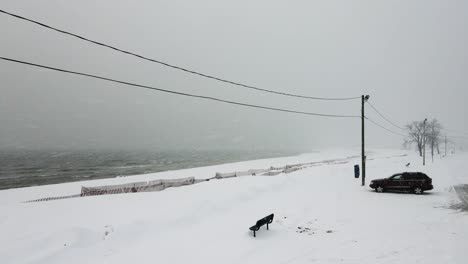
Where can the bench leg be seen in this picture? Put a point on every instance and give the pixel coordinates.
(267, 227)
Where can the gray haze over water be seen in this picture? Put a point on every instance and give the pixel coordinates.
(21, 168)
(410, 56)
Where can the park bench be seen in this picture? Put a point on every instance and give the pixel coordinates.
(265, 220)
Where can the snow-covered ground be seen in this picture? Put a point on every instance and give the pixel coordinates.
(322, 215)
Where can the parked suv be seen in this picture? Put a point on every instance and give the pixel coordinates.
(416, 182)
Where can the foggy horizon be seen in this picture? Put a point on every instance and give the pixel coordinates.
(409, 56)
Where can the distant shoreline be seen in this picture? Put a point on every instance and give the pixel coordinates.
(26, 168)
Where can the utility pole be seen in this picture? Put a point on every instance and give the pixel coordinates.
(424, 140)
(363, 153)
(445, 145)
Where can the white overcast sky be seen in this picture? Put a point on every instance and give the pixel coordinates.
(411, 57)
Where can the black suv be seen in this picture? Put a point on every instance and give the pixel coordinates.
(416, 182)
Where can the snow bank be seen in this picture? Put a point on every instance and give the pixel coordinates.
(322, 215)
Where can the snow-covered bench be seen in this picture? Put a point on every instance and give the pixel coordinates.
(265, 220)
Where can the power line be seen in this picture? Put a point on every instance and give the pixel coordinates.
(460, 137)
(377, 124)
(388, 120)
(174, 92)
(456, 131)
(172, 65)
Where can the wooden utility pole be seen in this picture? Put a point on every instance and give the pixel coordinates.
(363, 153)
(424, 140)
(445, 145)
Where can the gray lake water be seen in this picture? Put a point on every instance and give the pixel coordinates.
(22, 168)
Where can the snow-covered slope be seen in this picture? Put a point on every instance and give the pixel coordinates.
(322, 215)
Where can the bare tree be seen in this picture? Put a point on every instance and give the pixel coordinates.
(406, 144)
(416, 134)
(434, 135)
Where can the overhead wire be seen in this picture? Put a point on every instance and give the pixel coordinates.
(460, 137)
(184, 69)
(388, 120)
(456, 131)
(175, 92)
(379, 125)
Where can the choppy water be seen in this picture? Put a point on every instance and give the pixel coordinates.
(21, 168)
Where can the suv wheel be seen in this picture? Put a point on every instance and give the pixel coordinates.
(417, 190)
(379, 189)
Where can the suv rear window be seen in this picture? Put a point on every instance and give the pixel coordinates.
(414, 176)
(418, 176)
